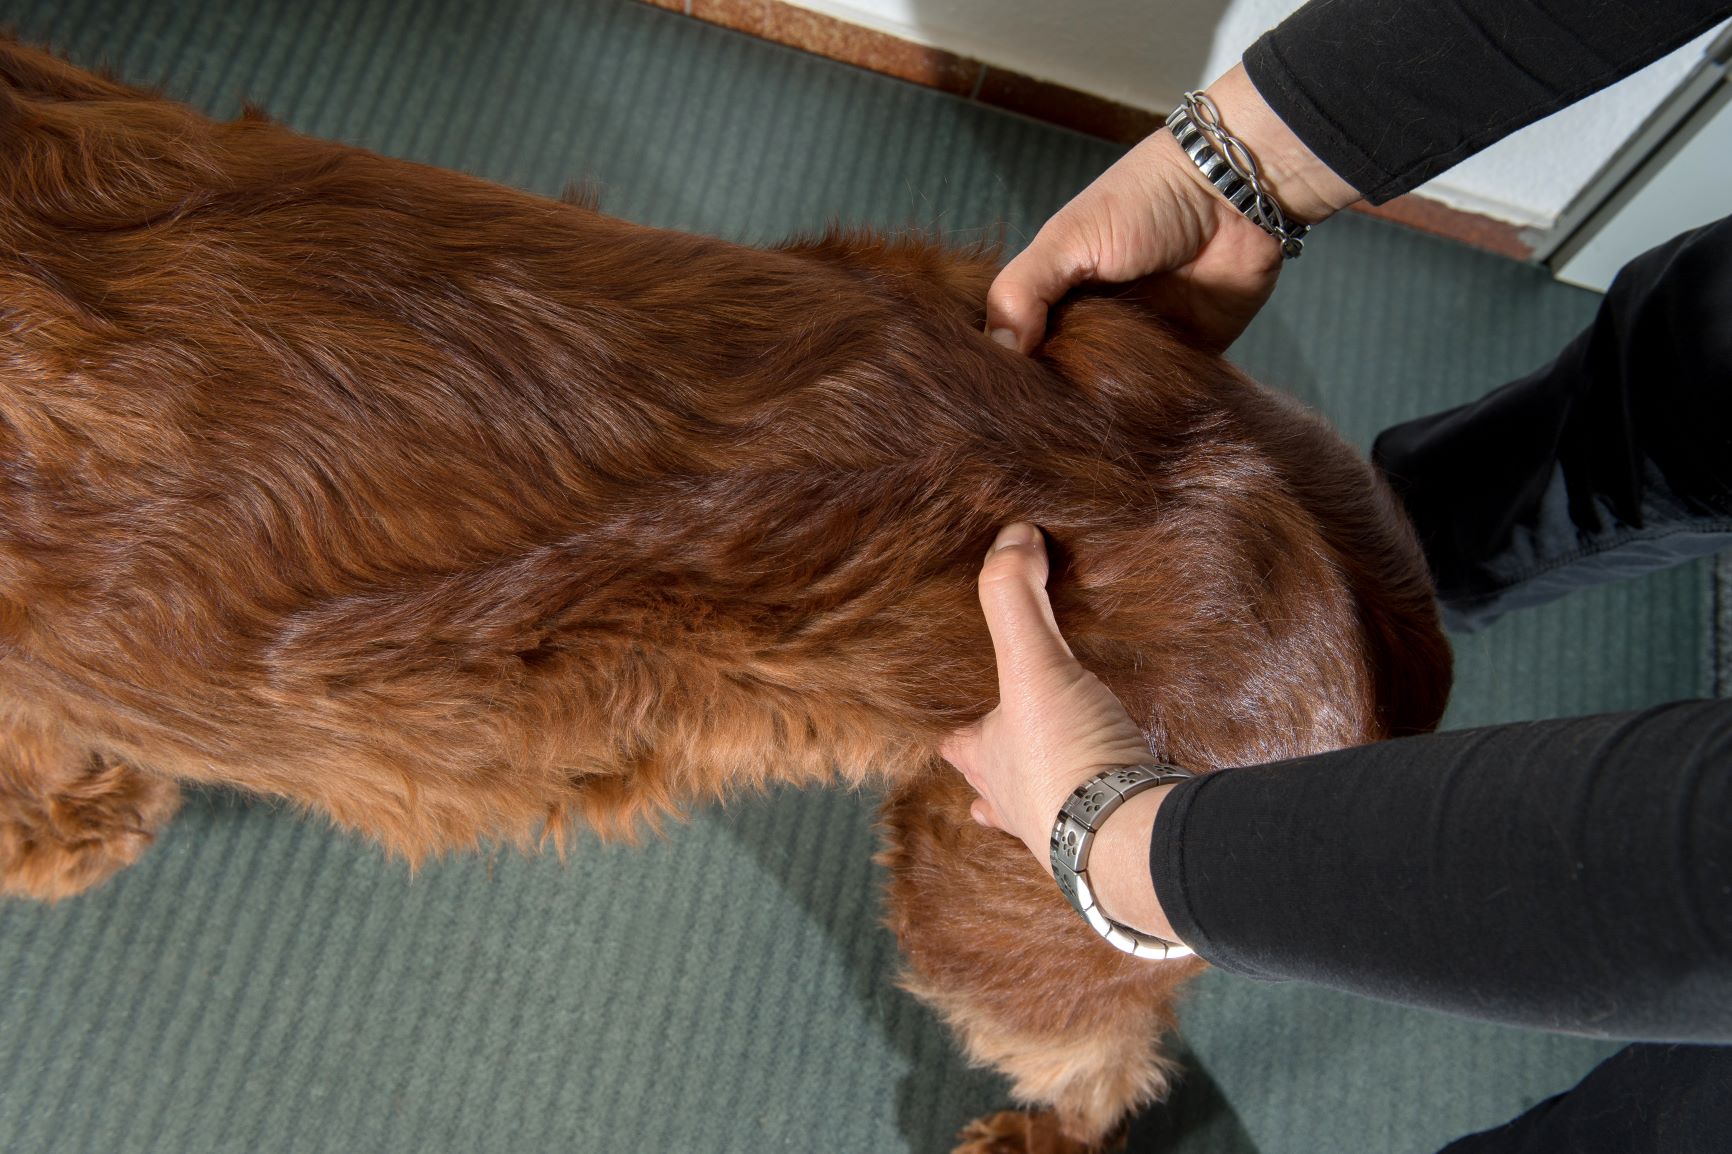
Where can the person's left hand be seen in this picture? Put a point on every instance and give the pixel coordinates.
(1056, 724)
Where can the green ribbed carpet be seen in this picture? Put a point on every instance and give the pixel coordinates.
(261, 984)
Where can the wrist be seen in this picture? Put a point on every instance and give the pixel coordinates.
(1119, 866)
(1103, 842)
(1307, 190)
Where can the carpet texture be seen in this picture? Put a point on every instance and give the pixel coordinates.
(261, 983)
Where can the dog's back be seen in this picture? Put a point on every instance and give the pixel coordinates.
(405, 494)
(457, 513)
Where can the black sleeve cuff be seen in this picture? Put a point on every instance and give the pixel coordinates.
(1173, 884)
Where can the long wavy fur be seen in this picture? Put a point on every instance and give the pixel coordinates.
(458, 514)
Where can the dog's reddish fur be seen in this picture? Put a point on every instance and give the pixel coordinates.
(459, 514)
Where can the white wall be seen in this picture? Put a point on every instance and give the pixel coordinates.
(1146, 52)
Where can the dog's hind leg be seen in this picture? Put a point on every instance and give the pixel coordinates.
(1029, 989)
(69, 817)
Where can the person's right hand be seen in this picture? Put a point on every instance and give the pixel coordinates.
(1150, 213)
(1153, 215)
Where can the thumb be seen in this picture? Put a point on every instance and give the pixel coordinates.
(1056, 261)
(1025, 636)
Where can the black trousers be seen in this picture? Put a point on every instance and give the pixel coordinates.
(1612, 461)
(1645, 1099)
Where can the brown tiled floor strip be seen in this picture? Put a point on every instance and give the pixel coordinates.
(1038, 99)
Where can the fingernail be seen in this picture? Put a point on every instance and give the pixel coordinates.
(1021, 533)
(1004, 337)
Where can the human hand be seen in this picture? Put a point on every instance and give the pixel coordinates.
(1153, 215)
(1056, 724)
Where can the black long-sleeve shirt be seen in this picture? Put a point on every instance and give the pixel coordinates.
(1389, 93)
(1572, 875)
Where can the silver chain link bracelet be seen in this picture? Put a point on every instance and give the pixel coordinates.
(1228, 165)
(1088, 806)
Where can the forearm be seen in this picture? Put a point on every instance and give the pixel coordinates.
(1571, 875)
(1119, 865)
(1306, 189)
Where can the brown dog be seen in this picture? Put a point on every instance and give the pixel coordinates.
(459, 514)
